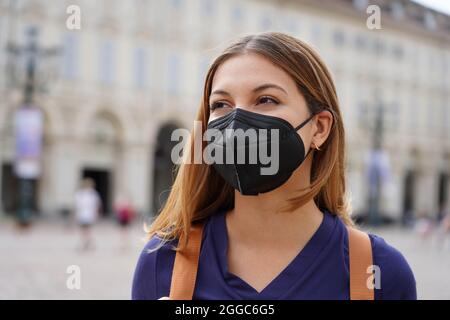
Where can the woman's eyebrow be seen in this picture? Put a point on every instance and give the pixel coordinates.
(219, 91)
(267, 86)
(257, 89)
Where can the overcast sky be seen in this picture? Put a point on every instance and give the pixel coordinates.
(440, 5)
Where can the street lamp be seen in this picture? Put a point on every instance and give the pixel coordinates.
(28, 126)
(374, 168)
(378, 166)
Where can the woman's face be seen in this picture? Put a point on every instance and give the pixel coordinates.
(252, 82)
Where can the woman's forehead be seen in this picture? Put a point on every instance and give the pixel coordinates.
(248, 71)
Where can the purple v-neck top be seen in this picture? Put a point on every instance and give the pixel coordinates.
(319, 271)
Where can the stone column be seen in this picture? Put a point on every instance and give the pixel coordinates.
(392, 192)
(426, 193)
(64, 175)
(135, 177)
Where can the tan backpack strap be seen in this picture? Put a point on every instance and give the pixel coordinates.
(185, 267)
(360, 258)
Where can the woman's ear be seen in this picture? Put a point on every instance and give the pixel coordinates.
(323, 124)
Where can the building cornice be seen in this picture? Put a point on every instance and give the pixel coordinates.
(412, 22)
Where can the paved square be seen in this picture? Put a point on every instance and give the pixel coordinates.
(33, 265)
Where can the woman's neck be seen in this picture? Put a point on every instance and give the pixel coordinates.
(260, 219)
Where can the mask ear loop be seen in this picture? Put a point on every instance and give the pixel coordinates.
(301, 125)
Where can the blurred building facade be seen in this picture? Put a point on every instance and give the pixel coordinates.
(135, 71)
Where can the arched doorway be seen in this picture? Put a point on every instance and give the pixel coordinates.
(443, 201)
(163, 170)
(102, 157)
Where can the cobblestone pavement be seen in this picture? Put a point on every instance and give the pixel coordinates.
(33, 265)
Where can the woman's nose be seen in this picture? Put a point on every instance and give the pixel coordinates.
(242, 106)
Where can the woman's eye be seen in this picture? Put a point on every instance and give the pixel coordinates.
(217, 105)
(265, 100)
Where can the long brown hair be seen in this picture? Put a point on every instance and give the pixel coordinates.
(198, 191)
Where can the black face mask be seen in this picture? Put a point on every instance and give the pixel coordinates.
(247, 177)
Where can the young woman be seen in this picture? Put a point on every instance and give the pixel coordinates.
(278, 236)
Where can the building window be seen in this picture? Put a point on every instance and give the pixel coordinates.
(316, 33)
(445, 119)
(174, 73)
(203, 69)
(397, 9)
(265, 22)
(107, 62)
(176, 4)
(236, 14)
(208, 7)
(70, 45)
(140, 68)
(395, 118)
(362, 114)
(338, 38)
(1, 31)
(430, 21)
(360, 42)
(431, 112)
(291, 25)
(432, 61)
(361, 4)
(378, 46)
(398, 51)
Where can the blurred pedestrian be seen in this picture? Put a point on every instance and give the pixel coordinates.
(125, 213)
(424, 226)
(87, 206)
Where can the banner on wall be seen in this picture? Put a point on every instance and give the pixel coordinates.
(28, 125)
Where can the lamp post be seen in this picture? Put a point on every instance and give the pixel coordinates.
(378, 164)
(26, 191)
(374, 167)
(28, 127)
